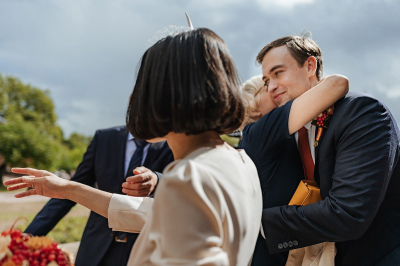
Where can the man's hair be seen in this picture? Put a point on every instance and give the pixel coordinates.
(186, 83)
(300, 47)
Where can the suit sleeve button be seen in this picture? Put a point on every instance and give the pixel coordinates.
(295, 243)
(280, 246)
(290, 243)
(285, 244)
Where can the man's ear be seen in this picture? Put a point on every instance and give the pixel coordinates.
(311, 64)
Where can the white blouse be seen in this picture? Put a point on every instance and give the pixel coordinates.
(207, 211)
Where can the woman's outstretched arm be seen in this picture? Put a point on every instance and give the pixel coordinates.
(313, 102)
(50, 185)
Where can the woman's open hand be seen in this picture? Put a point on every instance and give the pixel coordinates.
(43, 183)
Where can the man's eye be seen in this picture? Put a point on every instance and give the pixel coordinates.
(278, 72)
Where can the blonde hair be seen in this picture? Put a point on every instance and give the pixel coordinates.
(250, 92)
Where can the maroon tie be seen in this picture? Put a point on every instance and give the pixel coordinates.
(305, 154)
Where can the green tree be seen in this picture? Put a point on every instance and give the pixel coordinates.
(77, 145)
(30, 136)
(22, 144)
(31, 104)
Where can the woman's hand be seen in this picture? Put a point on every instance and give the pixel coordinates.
(46, 184)
(43, 183)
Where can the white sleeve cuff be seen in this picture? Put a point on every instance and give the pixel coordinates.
(128, 214)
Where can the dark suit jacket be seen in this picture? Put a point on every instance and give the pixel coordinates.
(358, 170)
(103, 163)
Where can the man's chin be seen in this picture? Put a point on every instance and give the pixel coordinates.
(282, 101)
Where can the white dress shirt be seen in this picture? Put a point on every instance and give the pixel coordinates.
(130, 150)
(311, 138)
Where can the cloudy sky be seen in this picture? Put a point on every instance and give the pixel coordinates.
(86, 52)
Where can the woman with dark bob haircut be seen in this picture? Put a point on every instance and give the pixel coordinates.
(207, 209)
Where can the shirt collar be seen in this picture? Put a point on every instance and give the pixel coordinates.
(130, 137)
(308, 125)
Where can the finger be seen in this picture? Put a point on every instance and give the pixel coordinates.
(137, 186)
(13, 181)
(18, 186)
(17, 180)
(136, 193)
(27, 235)
(28, 171)
(32, 180)
(26, 193)
(140, 170)
(140, 178)
(22, 182)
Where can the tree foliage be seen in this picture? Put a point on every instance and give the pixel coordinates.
(30, 136)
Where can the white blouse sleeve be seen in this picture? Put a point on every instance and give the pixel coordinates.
(186, 226)
(128, 214)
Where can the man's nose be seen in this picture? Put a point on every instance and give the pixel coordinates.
(272, 86)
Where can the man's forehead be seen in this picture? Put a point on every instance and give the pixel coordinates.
(275, 57)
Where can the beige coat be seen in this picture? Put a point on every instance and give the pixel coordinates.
(207, 211)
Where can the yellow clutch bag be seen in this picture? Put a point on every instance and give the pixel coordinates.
(319, 254)
(306, 193)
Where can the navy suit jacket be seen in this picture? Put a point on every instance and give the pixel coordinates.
(103, 163)
(358, 170)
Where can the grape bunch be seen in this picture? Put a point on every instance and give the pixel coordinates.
(21, 251)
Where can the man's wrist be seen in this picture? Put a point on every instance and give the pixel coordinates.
(157, 180)
(155, 186)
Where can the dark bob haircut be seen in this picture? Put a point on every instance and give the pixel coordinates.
(186, 83)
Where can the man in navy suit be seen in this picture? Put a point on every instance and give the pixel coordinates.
(356, 165)
(108, 161)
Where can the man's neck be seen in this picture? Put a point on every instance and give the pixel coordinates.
(314, 82)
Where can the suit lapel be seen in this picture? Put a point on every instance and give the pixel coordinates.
(319, 145)
(121, 149)
(316, 174)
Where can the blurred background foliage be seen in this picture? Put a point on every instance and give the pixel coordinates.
(233, 141)
(29, 134)
(69, 229)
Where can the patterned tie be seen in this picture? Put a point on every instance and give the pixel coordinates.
(305, 154)
(137, 156)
